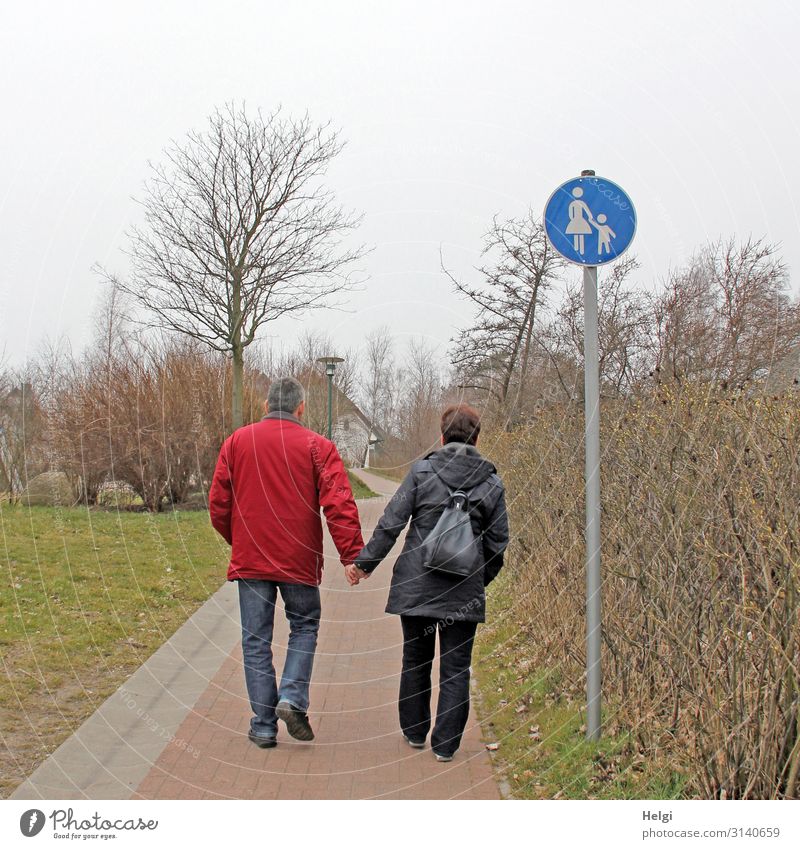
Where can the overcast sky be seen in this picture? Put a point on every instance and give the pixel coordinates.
(453, 113)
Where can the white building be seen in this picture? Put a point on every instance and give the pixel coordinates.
(355, 436)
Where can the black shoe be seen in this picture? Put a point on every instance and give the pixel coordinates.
(262, 742)
(415, 744)
(296, 721)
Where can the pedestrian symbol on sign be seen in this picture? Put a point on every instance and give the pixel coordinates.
(590, 220)
(578, 226)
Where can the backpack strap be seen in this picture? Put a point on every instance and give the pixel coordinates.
(453, 492)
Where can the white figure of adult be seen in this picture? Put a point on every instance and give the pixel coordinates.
(579, 226)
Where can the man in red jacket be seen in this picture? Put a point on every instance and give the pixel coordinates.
(271, 479)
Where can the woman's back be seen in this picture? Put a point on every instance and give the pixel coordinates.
(422, 497)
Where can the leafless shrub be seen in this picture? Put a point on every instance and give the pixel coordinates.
(700, 561)
(151, 416)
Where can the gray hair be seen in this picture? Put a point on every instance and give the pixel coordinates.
(285, 395)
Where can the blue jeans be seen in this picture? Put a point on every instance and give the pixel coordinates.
(257, 606)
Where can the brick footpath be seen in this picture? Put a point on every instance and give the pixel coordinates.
(358, 752)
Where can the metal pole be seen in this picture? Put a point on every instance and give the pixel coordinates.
(330, 405)
(592, 412)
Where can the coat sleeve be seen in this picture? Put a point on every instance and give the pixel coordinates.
(495, 540)
(397, 513)
(220, 495)
(338, 504)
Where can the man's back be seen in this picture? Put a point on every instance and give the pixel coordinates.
(271, 479)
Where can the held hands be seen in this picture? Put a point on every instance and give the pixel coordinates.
(354, 575)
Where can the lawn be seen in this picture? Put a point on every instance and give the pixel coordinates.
(360, 489)
(537, 721)
(87, 597)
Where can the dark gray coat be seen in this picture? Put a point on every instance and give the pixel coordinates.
(422, 497)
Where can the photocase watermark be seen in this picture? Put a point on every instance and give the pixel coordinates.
(458, 616)
(31, 822)
(66, 825)
(154, 725)
(318, 462)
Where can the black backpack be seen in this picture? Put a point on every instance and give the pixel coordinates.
(452, 547)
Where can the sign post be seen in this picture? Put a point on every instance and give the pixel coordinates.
(591, 383)
(590, 221)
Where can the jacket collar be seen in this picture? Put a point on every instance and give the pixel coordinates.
(286, 417)
(460, 448)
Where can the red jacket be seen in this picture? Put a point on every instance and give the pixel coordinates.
(271, 479)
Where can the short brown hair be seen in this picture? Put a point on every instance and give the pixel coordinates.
(461, 423)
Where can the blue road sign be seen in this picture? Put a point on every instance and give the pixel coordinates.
(590, 220)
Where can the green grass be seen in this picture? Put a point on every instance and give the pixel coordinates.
(87, 596)
(360, 489)
(537, 719)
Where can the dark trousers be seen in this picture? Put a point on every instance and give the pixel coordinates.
(455, 654)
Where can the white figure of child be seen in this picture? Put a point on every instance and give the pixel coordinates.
(604, 234)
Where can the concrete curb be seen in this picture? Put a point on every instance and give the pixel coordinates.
(115, 748)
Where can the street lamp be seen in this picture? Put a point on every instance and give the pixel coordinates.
(330, 369)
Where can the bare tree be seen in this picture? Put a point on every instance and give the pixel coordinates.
(726, 316)
(315, 344)
(625, 329)
(21, 429)
(379, 385)
(422, 393)
(10, 473)
(112, 330)
(494, 355)
(239, 231)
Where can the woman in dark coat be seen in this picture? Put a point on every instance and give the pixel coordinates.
(431, 602)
